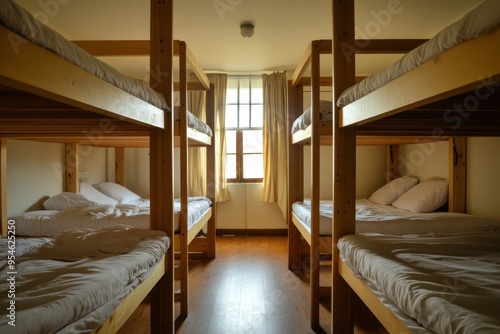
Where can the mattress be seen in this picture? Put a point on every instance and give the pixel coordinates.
(477, 22)
(48, 223)
(73, 283)
(19, 20)
(304, 120)
(447, 283)
(386, 219)
(194, 122)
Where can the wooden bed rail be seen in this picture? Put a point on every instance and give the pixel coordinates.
(142, 48)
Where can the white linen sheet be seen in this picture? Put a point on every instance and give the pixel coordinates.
(48, 223)
(477, 22)
(194, 122)
(448, 283)
(16, 18)
(76, 293)
(304, 120)
(386, 219)
(19, 20)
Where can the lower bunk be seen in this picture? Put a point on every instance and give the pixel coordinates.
(434, 283)
(81, 281)
(403, 206)
(108, 204)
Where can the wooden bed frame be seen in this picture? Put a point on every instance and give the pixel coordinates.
(313, 135)
(46, 98)
(423, 90)
(319, 133)
(184, 137)
(186, 239)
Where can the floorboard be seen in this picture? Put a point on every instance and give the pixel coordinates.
(246, 289)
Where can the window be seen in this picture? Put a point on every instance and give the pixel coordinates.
(244, 119)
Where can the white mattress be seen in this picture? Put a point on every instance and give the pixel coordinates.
(23, 23)
(304, 120)
(194, 122)
(48, 223)
(386, 219)
(448, 283)
(59, 288)
(477, 22)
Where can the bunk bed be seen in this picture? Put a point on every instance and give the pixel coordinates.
(309, 223)
(189, 131)
(47, 95)
(189, 243)
(313, 135)
(415, 102)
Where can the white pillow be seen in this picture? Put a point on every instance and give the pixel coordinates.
(390, 192)
(67, 200)
(118, 192)
(426, 196)
(95, 195)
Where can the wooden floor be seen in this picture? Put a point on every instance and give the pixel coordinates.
(246, 289)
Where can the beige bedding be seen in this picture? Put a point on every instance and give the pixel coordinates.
(479, 21)
(446, 283)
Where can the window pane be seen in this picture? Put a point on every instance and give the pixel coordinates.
(231, 116)
(244, 90)
(257, 93)
(244, 116)
(252, 141)
(253, 166)
(257, 116)
(230, 166)
(232, 90)
(230, 141)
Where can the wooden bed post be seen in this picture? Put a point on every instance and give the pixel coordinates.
(392, 162)
(183, 267)
(295, 177)
(3, 186)
(315, 185)
(162, 160)
(120, 165)
(211, 228)
(71, 168)
(344, 160)
(457, 174)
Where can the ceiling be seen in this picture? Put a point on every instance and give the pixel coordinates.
(283, 28)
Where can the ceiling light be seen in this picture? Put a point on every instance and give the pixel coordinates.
(246, 30)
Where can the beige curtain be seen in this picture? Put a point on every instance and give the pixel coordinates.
(220, 85)
(197, 156)
(275, 139)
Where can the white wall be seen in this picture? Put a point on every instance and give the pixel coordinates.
(34, 172)
(424, 160)
(93, 160)
(483, 181)
(370, 170)
(245, 210)
(483, 161)
(137, 171)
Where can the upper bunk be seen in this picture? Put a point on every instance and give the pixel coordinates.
(66, 91)
(320, 112)
(46, 95)
(198, 132)
(446, 86)
(450, 93)
(71, 96)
